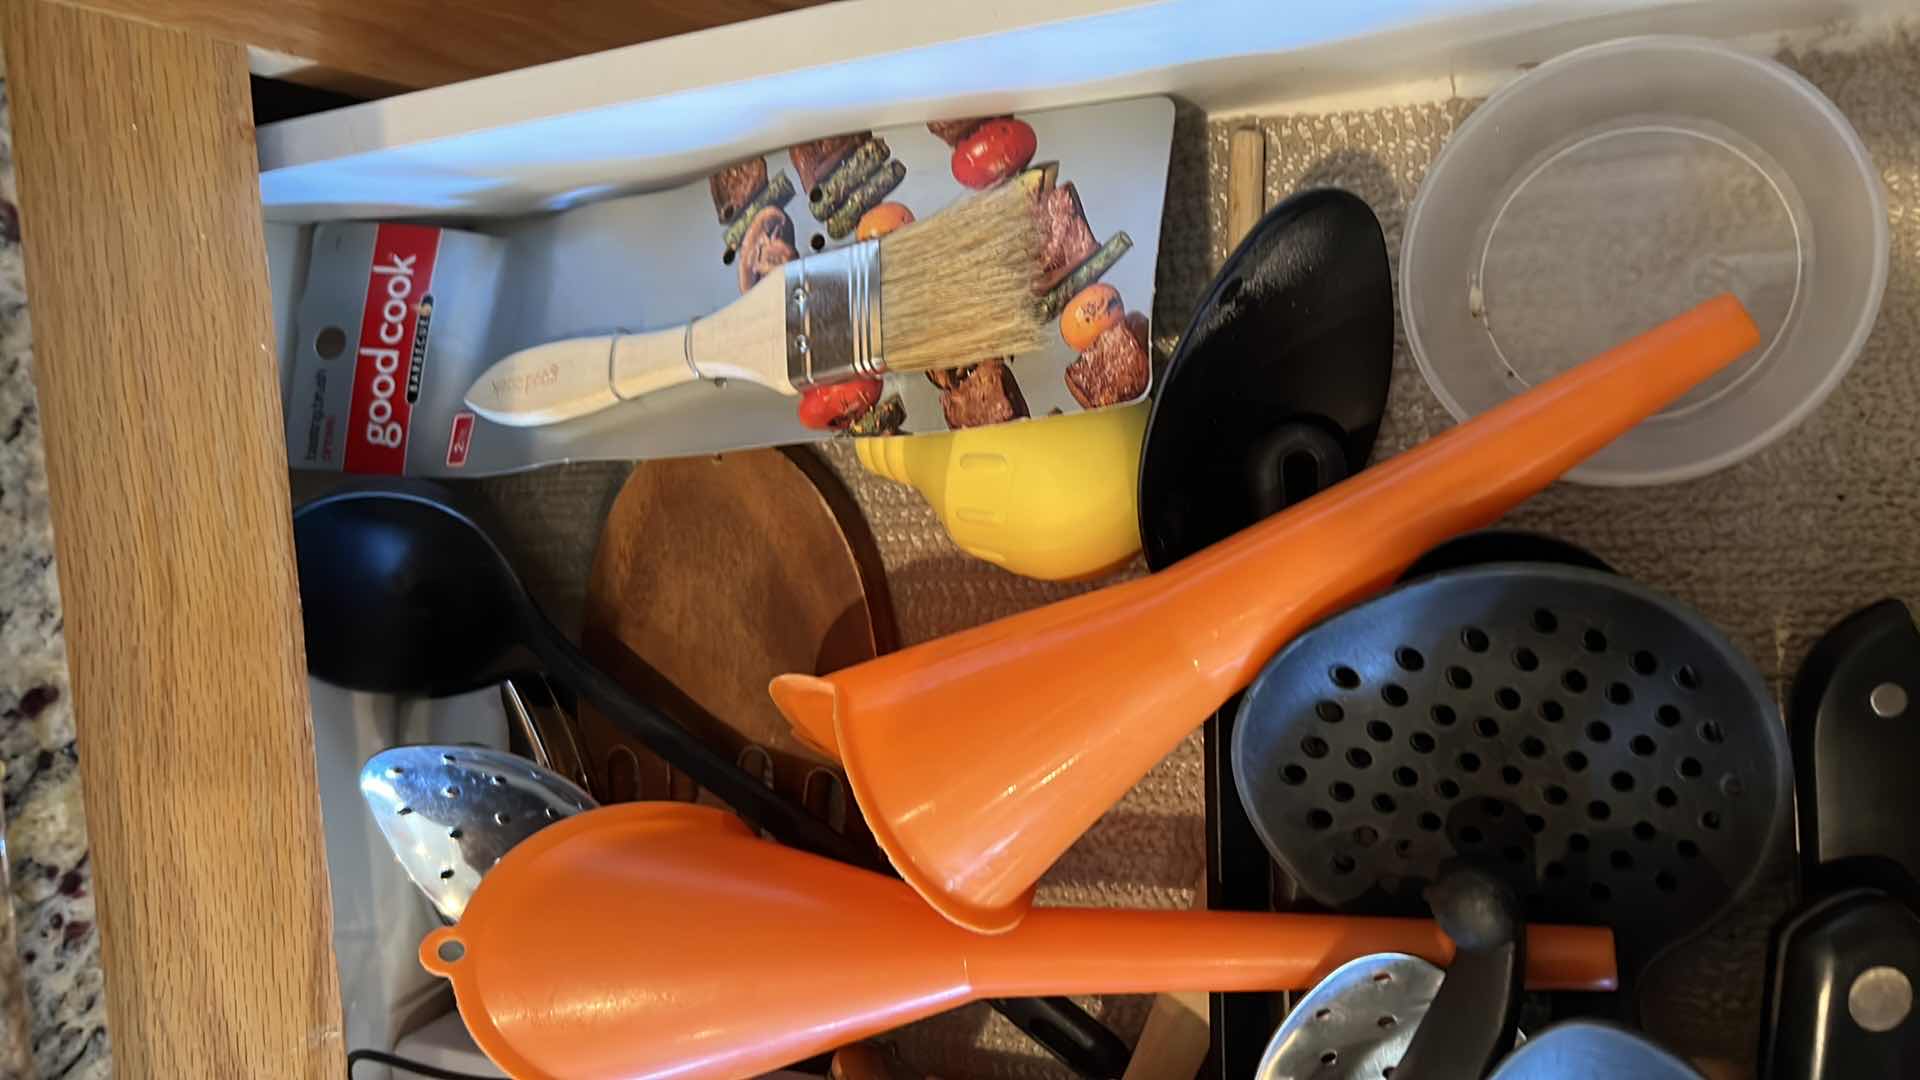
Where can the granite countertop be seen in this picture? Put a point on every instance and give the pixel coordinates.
(52, 1008)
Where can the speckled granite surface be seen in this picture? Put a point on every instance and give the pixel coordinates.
(58, 1007)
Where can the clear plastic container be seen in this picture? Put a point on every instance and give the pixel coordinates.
(1614, 187)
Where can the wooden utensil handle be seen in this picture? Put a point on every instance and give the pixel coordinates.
(744, 340)
(1246, 182)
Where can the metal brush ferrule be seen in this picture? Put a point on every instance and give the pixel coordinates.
(833, 316)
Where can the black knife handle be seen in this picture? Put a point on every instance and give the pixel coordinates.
(1840, 998)
(1854, 718)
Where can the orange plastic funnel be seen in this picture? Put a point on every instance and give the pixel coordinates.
(979, 757)
(665, 940)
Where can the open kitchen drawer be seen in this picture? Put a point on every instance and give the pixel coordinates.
(545, 138)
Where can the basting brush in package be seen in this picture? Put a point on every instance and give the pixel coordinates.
(397, 322)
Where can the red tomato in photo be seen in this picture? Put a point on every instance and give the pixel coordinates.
(996, 150)
(838, 404)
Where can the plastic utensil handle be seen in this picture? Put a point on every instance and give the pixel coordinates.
(752, 799)
(1068, 1032)
(1471, 1023)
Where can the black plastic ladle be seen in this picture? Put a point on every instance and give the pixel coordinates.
(402, 593)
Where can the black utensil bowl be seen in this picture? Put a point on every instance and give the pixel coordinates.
(401, 594)
(1277, 388)
(1601, 746)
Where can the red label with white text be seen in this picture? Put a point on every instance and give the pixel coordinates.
(393, 328)
(462, 440)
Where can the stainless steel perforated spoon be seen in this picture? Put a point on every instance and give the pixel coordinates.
(451, 812)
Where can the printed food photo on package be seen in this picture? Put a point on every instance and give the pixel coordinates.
(861, 186)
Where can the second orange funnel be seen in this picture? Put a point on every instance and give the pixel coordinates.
(979, 757)
(666, 940)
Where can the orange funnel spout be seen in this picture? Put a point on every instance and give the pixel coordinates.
(979, 757)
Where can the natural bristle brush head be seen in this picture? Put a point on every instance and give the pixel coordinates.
(961, 286)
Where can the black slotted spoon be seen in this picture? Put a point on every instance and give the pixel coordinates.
(1600, 746)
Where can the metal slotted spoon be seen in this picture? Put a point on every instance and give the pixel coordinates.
(451, 812)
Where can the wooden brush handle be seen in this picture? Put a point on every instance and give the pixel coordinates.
(744, 340)
(561, 380)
